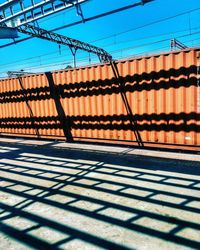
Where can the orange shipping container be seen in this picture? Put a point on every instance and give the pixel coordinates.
(162, 93)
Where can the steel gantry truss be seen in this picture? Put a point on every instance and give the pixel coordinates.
(73, 44)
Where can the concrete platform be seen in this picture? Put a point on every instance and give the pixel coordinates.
(121, 150)
(56, 195)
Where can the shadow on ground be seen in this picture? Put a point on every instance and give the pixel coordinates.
(61, 199)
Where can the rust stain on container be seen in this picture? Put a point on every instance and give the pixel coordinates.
(162, 90)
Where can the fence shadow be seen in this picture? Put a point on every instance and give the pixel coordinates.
(53, 199)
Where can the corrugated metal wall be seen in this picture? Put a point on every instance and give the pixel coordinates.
(162, 91)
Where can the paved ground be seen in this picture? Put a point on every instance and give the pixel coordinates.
(107, 198)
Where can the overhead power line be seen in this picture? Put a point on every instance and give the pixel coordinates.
(107, 45)
(106, 14)
(117, 51)
(73, 44)
(146, 25)
(87, 19)
(103, 15)
(128, 48)
(85, 59)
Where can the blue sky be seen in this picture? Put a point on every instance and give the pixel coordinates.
(133, 32)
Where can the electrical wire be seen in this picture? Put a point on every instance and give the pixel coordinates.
(103, 15)
(122, 42)
(82, 61)
(85, 20)
(154, 36)
(148, 24)
(159, 41)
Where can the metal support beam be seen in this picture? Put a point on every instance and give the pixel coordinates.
(8, 4)
(64, 40)
(16, 13)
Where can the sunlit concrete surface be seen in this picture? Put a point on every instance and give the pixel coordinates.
(77, 199)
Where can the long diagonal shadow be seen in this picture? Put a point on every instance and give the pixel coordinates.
(29, 107)
(64, 121)
(132, 119)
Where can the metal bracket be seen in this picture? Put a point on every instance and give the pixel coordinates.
(174, 44)
(74, 50)
(79, 11)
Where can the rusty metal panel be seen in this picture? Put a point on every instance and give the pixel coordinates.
(162, 91)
